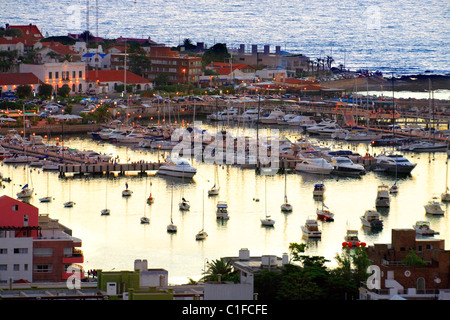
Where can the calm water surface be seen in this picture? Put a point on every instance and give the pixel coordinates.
(114, 242)
(405, 37)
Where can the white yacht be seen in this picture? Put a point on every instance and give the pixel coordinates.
(314, 165)
(319, 126)
(311, 229)
(286, 118)
(423, 228)
(344, 165)
(225, 115)
(425, 146)
(329, 130)
(222, 210)
(177, 168)
(272, 117)
(362, 136)
(302, 121)
(383, 199)
(248, 115)
(434, 207)
(394, 163)
(371, 219)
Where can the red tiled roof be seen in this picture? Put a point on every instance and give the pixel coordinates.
(114, 76)
(31, 32)
(18, 79)
(58, 47)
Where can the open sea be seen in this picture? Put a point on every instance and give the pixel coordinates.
(404, 37)
(114, 242)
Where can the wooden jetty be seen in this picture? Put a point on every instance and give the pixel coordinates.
(100, 168)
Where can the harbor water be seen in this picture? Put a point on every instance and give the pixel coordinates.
(113, 242)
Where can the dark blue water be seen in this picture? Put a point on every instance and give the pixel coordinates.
(405, 37)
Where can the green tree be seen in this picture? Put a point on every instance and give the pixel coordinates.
(64, 91)
(161, 79)
(45, 90)
(218, 53)
(221, 267)
(412, 259)
(140, 63)
(23, 91)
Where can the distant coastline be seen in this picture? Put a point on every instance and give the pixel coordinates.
(414, 83)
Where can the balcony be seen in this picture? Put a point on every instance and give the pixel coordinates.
(75, 257)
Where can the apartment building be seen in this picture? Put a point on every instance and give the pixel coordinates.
(33, 247)
(179, 68)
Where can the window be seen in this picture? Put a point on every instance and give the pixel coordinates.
(429, 246)
(50, 75)
(16, 267)
(80, 74)
(15, 207)
(25, 267)
(42, 268)
(20, 250)
(25, 220)
(74, 74)
(3, 251)
(56, 75)
(3, 267)
(43, 252)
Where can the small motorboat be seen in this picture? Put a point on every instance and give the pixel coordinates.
(222, 210)
(45, 199)
(383, 199)
(351, 239)
(127, 192)
(201, 235)
(145, 220)
(319, 190)
(311, 229)
(423, 228)
(434, 207)
(184, 205)
(105, 212)
(371, 219)
(69, 204)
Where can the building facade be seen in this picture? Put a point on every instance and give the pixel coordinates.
(58, 74)
(397, 277)
(33, 247)
(179, 68)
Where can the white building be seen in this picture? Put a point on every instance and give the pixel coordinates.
(58, 74)
(16, 257)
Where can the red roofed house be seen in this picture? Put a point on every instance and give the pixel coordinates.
(13, 43)
(106, 81)
(54, 51)
(31, 34)
(34, 247)
(10, 81)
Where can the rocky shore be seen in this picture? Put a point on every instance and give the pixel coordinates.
(416, 83)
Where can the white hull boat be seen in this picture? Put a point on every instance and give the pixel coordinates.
(423, 228)
(314, 165)
(177, 168)
(371, 219)
(434, 207)
(383, 199)
(311, 229)
(344, 165)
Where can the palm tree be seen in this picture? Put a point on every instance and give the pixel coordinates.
(330, 60)
(221, 267)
